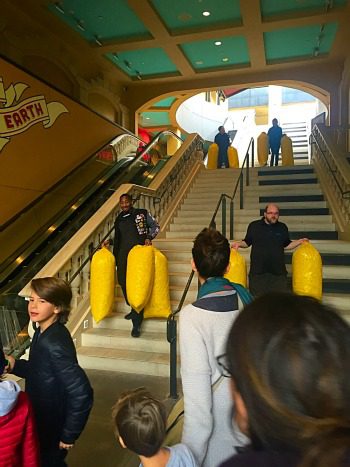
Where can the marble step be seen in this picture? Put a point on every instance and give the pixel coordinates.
(315, 234)
(120, 339)
(308, 223)
(293, 218)
(124, 360)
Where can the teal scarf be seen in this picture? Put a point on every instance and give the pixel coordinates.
(214, 285)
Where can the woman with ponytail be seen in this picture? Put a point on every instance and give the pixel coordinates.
(289, 360)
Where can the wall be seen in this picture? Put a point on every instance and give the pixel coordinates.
(33, 160)
(196, 115)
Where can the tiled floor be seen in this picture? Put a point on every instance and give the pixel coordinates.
(97, 446)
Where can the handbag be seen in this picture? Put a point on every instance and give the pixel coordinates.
(175, 420)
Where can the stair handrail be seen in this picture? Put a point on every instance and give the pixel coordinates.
(171, 321)
(333, 171)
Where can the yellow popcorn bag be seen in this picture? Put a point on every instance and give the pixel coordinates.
(287, 151)
(102, 284)
(238, 268)
(263, 148)
(213, 153)
(158, 305)
(307, 271)
(139, 276)
(232, 155)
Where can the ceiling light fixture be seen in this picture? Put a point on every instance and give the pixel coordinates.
(138, 74)
(116, 56)
(217, 43)
(225, 59)
(59, 7)
(206, 13)
(97, 40)
(80, 25)
(127, 64)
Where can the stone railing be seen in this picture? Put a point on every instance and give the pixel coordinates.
(124, 144)
(333, 171)
(72, 262)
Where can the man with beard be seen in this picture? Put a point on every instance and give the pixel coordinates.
(268, 238)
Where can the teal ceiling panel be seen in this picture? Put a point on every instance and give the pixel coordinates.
(278, 7)
(143, 62)
(167, 102)
(155, 119)
(180, 15)
(305, 41)
(100, 20)
(204, 55)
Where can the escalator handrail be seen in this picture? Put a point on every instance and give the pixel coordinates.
(63, 211)
(10, 221)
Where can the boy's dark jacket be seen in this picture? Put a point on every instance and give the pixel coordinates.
(57, 386)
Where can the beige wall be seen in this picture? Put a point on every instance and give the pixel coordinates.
(34, 160)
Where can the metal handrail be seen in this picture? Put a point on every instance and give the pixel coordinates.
(331, 170)
(171, 321)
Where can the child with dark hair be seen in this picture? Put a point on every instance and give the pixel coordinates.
(18, 440)
(204, 326)
(289, 359)
(58, 387)
(140, 422)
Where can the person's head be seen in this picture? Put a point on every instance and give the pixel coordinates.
(274, 122)
(289, 358)
(125, 202)
(49, 301)
(210, 254)
(271, 213)
(221, 129)
(140, 422)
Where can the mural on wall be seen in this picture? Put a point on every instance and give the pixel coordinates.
(17, 116)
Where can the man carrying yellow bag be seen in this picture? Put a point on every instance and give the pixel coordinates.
(132, 227)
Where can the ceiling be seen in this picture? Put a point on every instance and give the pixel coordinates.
(166, 43)
(203, 35)
(158, 39)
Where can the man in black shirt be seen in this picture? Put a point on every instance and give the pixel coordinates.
(268, 238)
(132, 227)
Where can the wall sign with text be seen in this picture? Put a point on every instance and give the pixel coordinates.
(17, 116)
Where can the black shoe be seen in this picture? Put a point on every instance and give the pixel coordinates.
(128, 316)
(136, 331)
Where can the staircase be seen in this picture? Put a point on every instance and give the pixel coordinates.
(108, 345)
(298, 133)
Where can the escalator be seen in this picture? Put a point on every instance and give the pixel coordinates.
(23, 263)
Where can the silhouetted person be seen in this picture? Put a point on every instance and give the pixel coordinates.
(222, 139)
(275, 135)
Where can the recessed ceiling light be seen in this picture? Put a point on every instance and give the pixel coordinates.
(225, 59)
(206, 13)
(148, 118)
(199, 62)
(217, 43)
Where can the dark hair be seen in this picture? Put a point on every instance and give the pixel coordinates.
(55, 291)
(126, 195)
(211, 253)
(289, 357)
(141, 422)
(2, 361)
(221, 126)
